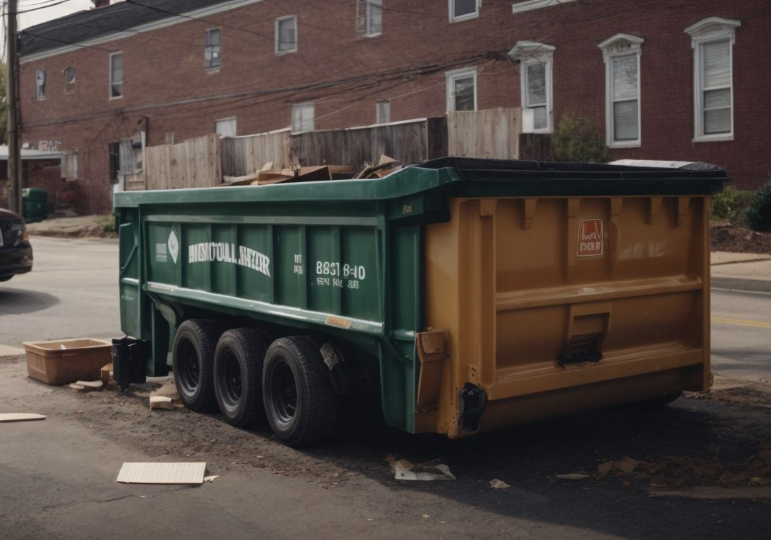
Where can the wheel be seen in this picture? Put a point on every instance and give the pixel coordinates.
(5, 278)
(300, 403)
(193, 363)
(238, 362)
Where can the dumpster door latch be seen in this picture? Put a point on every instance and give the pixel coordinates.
(473, 404)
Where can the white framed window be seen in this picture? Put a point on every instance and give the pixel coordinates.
(529, 5)
(383, 112)
(374, 18)
(116, 75)
(462, 90)
(712, 40)
(623, 127)
(535, 76)
(211, 52)
(461, 10)
(227, 127)
(40, 84)
(303, 117)
(286, 34)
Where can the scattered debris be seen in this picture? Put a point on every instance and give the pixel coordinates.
(162, 473)
(426, 516)
(161, 403)
(604, 469)
(385, 167)
(87, 385)
(210, 478)
(729, 238)
(497, 483)
(572, 476)
(168, 389)
(427, 471)
(106, 373)
(13, 417)
(713, 493)
(626, 464)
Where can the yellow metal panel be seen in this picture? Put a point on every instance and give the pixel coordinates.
(520, 284)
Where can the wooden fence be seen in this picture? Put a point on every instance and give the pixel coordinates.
(409, 142)
(492, 133)
(206, 161)
(242, 156)
(195, 163)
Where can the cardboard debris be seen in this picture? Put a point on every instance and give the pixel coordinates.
(302, 174)
(384, 167)
(210, 478)
(161, 403)
(404, 470)
(162, 473)
(168, 390)
(497, 483)
(572, 476)
(604, 469)
(106, 373)
(627, 464)
(87, 385)
(14, 417)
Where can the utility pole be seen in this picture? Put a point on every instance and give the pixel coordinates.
(12, 95)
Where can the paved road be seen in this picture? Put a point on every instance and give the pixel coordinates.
(72, 292)
(58, 475)
(741, 335)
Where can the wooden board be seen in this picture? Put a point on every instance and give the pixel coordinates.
(14, 417)
(162, 473)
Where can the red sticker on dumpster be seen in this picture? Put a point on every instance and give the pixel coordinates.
(590, 238)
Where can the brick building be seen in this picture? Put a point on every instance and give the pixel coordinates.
(685, 80)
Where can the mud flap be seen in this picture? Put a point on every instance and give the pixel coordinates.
(473, 405)
(129, 361)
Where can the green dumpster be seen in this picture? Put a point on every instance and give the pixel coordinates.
(468, 294)
(35, 203)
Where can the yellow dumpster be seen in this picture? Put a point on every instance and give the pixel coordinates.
(558, 289)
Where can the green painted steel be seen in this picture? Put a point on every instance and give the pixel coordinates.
(339, 260)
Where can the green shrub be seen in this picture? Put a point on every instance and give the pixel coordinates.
(731, 204)
(107, 223)
(577, 139)
(758, 214)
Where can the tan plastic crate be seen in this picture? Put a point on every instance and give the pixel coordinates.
(63, 361)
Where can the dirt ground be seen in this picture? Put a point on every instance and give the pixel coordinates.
(700, 467)
(729, 238)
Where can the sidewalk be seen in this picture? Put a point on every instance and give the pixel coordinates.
(746, 272)
(74, 228)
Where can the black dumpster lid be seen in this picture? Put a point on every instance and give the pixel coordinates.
(487, 169)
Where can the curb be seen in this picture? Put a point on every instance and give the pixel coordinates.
(741, 284)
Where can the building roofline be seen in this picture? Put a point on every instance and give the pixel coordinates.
(39, 32)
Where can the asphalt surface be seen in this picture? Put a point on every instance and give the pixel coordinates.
(57, 476)
(741, 335)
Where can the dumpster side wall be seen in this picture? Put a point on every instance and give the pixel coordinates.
(528, 289)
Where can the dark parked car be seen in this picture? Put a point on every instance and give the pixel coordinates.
(15, 249)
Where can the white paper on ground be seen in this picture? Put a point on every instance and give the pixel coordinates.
(404, 474)
(162, 473)
(9, 417)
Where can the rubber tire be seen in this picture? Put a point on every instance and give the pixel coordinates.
(5, 278)
(202, 334)
(317, 404)
(249, 347)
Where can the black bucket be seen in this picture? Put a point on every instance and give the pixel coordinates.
(129, 361)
